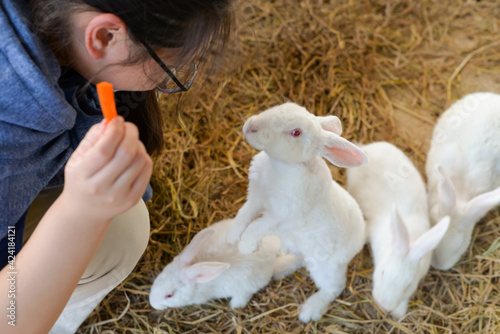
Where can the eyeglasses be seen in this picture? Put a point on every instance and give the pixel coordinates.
(179, 79)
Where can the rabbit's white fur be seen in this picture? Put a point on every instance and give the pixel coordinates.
(291, 194)
(392, 196)
(209, 268)
(463, 171)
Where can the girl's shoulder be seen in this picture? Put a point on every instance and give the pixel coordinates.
(30, 96)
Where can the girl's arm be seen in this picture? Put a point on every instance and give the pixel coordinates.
(104, 177)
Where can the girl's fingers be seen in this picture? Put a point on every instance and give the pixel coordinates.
(141, 182)
(92, 136)
(125, 179)
(123, 157)
(103, 147)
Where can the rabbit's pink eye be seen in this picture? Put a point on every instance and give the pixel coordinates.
(296, 132)
(170, 295)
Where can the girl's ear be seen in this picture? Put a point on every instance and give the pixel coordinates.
(103, 35)
(340, 151)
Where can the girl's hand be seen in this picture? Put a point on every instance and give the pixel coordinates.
(108, 172)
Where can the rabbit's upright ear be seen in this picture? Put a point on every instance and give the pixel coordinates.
(446, 192)
(429, 240)
(340, 151)
(400, 239)
(196, 244)
(203, 272)
(477, 207)
(330, 123)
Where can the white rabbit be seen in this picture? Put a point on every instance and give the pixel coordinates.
(291, 194)
(463, 171)
(387, 186)
(209, 268)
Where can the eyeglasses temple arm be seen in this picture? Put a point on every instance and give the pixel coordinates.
(172, 76)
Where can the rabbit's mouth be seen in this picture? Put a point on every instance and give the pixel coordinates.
(381, 302)
(157, 305)
(258, 138)
(385, 303)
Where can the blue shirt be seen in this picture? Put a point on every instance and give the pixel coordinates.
(45, 111)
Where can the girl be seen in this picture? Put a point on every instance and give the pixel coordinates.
(88, 234)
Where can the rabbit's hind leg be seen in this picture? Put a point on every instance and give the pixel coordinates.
(331, 282)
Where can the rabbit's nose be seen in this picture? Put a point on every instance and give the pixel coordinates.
(249, 128)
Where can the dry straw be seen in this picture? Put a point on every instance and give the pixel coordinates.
(387, 69)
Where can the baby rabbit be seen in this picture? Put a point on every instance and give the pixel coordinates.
(387, 186)
(291, 194)
(208, 268)
(463, 171)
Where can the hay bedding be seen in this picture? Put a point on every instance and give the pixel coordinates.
(387, 69)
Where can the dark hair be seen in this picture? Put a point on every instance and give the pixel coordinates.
(200, 29)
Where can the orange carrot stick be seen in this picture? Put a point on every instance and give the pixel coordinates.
(107, 100)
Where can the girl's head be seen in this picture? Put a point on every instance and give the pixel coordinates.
(100, 37)
(118, 40)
